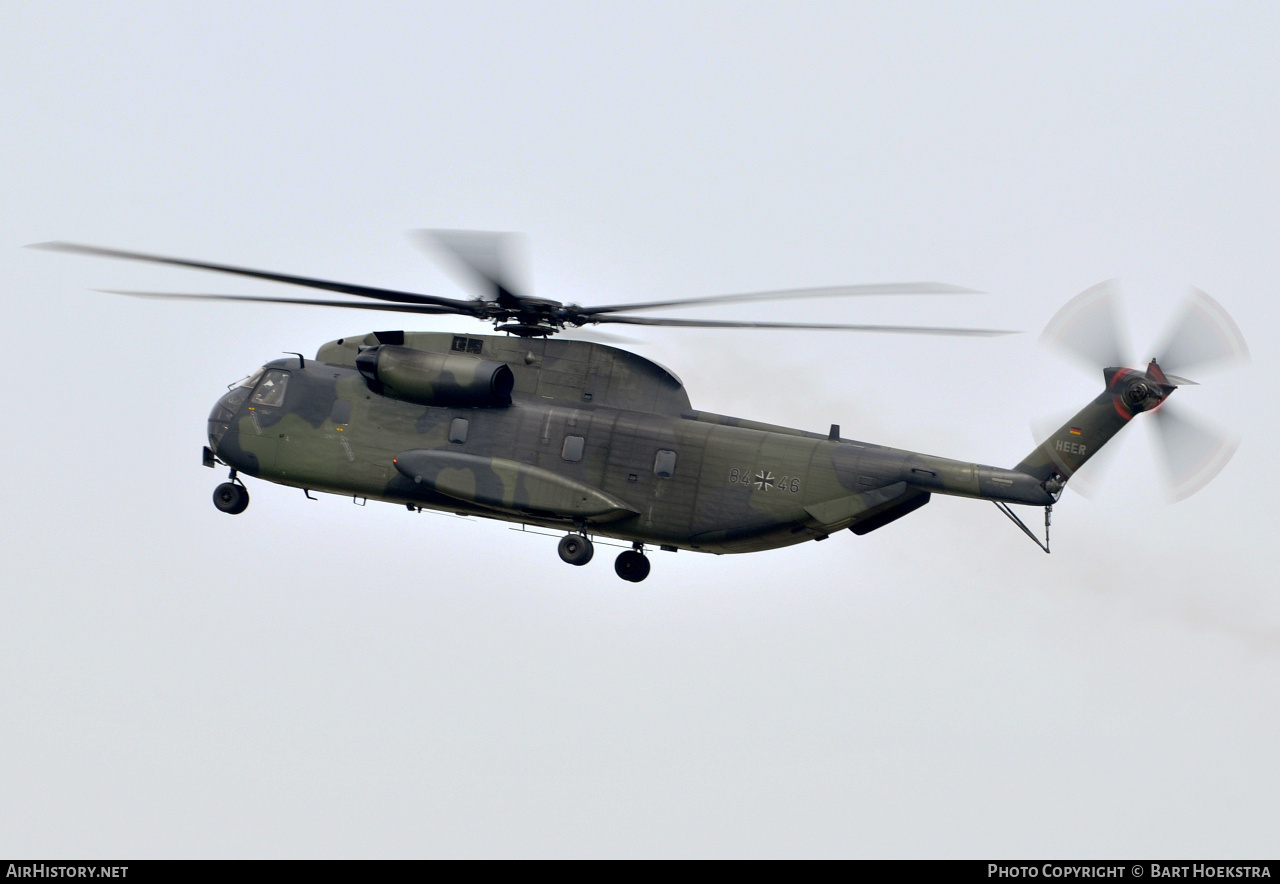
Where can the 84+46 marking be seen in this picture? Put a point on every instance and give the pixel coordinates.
(764, 480)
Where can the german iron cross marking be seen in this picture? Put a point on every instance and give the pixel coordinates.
(764, 481)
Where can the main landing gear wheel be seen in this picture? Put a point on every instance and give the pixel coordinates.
(231, 498)
(632, 565)
(576, 549)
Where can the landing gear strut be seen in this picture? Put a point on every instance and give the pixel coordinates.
(576, 549)
(631, 565)
(231, 497)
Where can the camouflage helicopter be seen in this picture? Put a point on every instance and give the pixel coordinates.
(597, 442)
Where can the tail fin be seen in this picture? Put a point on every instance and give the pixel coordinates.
(1128, 392)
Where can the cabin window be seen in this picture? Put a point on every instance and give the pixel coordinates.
(341, 414)
(270, 392)
(461, 344)
(572, 450)
(664, 465)
(458, 430)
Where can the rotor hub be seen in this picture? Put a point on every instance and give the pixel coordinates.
(1143, 394)
(1136, 392)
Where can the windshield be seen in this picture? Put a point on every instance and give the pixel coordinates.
(252, 379)
(270, 392)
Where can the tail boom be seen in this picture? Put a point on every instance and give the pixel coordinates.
(959, 479)
(1128, 392)
(1040, 478)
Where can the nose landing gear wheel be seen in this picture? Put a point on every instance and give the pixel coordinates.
(231, 498)
(576, 549)
(632, 566)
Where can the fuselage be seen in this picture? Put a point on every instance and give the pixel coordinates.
(582, 417)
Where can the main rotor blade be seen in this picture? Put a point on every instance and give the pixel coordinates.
(1193, 452)
(497, 260)
(598, 337)
(836, 291)
(310, 302)
(467, 308)
(1089, 328)
(1203, 336)
(716, 323)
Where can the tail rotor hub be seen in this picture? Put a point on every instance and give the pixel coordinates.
(1137, 392)
(1143, 395)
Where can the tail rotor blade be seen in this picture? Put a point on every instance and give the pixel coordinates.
(1203, 336)
(1193, 452)
(1089, 328)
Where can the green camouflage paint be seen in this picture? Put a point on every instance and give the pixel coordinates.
(597, 438)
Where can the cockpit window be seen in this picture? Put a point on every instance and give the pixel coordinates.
(251, 379)
(270, 392)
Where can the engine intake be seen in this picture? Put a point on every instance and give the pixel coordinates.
(437, 378)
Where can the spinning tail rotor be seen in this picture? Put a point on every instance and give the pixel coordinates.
(1201, 338)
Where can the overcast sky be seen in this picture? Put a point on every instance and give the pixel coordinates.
(319, 679)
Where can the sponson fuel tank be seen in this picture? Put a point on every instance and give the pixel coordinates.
(437, 378)
(509, 485)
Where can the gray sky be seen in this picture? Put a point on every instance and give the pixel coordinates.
(317, 679)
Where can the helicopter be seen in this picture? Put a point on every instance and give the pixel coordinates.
(597, 442)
